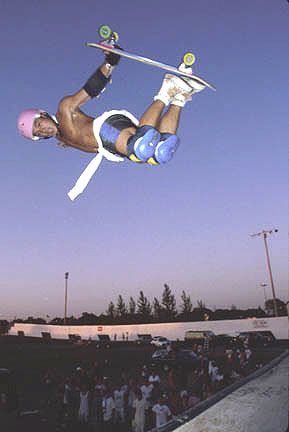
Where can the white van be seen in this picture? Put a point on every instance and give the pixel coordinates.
(199, 335)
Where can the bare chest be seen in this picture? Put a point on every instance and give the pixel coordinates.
(76, 130)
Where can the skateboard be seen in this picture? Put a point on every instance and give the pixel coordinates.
(110, 38)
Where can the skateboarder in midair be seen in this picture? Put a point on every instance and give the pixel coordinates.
(115, 134)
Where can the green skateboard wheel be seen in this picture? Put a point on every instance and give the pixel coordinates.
(104, 32)
(189, 59)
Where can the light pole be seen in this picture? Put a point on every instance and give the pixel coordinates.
(65, 297)
(263, 285)
(264, 234)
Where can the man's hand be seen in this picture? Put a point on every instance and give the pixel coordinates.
(112, 58)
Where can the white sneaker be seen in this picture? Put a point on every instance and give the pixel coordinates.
(168, 89)
(186, 87)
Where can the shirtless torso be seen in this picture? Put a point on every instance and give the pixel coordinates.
(75, 128)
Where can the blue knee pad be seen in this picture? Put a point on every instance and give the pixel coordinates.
(141, 146)
(166, 148)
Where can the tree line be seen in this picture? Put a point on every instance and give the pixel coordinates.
(163, 310)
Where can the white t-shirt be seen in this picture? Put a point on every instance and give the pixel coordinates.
(162, 413)
(131, 397)
(147, 390)
(140, 407)
(118, 399)
(83, 405)
(108, 407)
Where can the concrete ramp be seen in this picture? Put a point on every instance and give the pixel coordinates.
(260, 405)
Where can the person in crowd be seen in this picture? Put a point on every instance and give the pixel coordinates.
(108, 406)
(48, 386)
(96, 413)
(131, 395)
(119, 402)
(184, 397)
(174, 401)
(215, 376)
(248, 354)
(171, 379)
(193, 400)
(139, 412)
(83, 411)
(154, 377)
(146, 389)
(144, 371)
(68, 398)
(161, 411)
(95, 370)
(67, 394)
(156, 392)
(99, 384)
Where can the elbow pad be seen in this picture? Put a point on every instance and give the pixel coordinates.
(95, 84)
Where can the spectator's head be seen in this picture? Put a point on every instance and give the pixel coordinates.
(108, 392)
(184, 398)
(123, 375)
(183, 393)
(163, 399)
(131, 382)
(139, 394)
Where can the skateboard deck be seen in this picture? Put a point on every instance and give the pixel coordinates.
(110, 48)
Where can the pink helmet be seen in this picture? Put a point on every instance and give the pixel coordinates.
(25, 122)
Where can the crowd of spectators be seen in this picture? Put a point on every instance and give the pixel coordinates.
(91, 399)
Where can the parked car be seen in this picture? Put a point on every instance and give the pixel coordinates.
(160, 341)
(103, 341)
(200, 337)
(256, 338)
(74, 338)
(144, 339)
(267, 335)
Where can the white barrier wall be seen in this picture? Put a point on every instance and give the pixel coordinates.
(278, 326)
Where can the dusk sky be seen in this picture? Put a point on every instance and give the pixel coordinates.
(136, 227)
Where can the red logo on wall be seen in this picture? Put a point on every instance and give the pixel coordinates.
(99, 328)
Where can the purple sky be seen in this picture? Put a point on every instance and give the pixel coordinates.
(188, 223)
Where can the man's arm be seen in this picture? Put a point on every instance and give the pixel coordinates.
(93, 86)
(88, 91)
